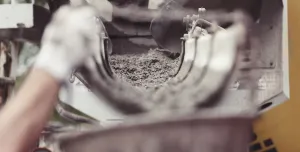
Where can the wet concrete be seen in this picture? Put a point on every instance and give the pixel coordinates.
(145, 70)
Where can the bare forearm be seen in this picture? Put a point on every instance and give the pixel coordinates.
(24, 117)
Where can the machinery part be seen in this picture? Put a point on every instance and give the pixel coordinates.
(122, 30)
(206, 80)
(249, 6)
(163, 130)
(268, 46)
(14, 14)
(73, 117)
(5, 80)
(133, 106)
(84, 140)
(196, 83)
(162, 29)
(32, 34)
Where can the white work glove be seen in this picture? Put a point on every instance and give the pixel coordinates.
(69, 39)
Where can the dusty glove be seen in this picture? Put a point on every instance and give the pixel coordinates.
(69, 39)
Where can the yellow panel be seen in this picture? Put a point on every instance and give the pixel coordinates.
(282, 123)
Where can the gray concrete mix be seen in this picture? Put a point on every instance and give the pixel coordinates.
(145, 70)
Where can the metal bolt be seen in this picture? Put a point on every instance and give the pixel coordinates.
(201, 10)
(72, 79)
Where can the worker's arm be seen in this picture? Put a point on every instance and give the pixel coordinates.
(69, 39)
(24, 116)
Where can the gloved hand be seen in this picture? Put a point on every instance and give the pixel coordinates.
(69, 39)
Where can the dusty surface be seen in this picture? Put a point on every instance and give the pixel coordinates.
(146, 70)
